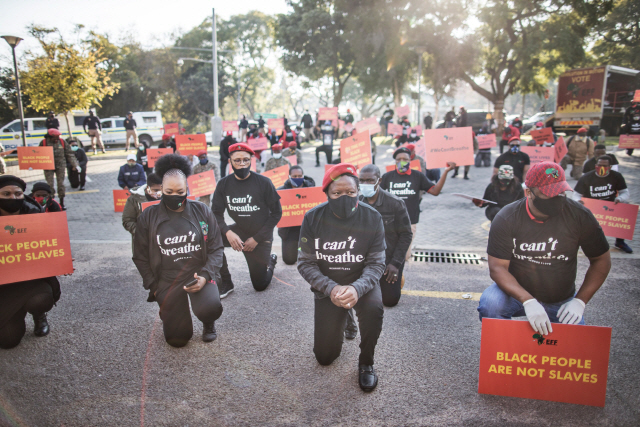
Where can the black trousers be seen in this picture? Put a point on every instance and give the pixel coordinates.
(330, 321)
(175, 314)
(391, 291)
(224, 166)
(492, 211)
(258, 261)
(36, 298)
(326, 149)
(503, 143)
(77, 179)
(290, 239)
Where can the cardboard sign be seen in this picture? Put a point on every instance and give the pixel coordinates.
(448, 145)
(36, 158)
(172, 128)
(472, 198)
(278, 175)
(258, 144)
(230, 126)
(277, 124)
(560, 149)
(403, 111)
(626, 141)
(153, 154)
(417, 129)
(371, 124)
(119, 199)
(414, 165)
(539, 154)
(327, 167)
(543, 135)
(328, 113)
(636, 96)
(486, 141)
(34, 246)
(296, 202)
(616, 220)
(348, 127)
(253, 166)
(145, 205)
(191, 144)
(569, 365)
(202, 184)
(356, 150)
(394, 129)
(293, 160)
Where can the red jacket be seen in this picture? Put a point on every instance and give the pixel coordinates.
(514, 132)
(284, 139)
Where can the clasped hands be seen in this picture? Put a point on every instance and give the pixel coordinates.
(238, 245)
(344, 296)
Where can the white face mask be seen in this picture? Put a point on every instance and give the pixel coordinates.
(277, 155)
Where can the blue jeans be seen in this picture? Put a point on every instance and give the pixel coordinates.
(495, 304)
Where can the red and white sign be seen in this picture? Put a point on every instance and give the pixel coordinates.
(394, 129)
(202, 184)
(296, 202)
(421, 148)
(417, 130)
(153, 154)
(616, 220)
(486, 141)
(278, 175)
(415, 165)
(636, 96)
(569, 365)
(328, 113)
(448, 145)
(627, 141)
(356, 150)
(191, 144)
(561, 150)
(543, 135)
(36, 158)
(172, 128)
(539, 154)
(34, 246)
(258, 144)
(403, 111)
(293, 160)
(371, 124)
(348, 127)
(230, 126)
(277, 124)
(119, 199)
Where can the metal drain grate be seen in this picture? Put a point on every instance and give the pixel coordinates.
(447, 257)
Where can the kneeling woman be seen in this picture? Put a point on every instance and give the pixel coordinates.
(342, 255)
(503, 189)
(178, 251)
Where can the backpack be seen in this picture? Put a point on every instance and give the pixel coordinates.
(571, 139)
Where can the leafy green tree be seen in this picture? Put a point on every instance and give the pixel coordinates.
(9, 96)
(617, 36)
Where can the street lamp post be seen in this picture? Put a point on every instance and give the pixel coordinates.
(216, 120)
(13, 42)
(419, 50)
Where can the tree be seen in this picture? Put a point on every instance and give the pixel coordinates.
(66, 77)
(617, 40)
(9, 97)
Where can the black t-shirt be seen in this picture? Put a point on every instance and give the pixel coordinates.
(518, 161)
(606, 188)
(502, 198)
(407, 187)
(590, 165)
(544, 255)
(341, 245)
(130, 124)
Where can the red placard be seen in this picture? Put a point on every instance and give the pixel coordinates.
(327, 167)
(356, 150)
(417, 129)
(119, 199)
(449, 145)
(560, 149)
(371, 124)
(415, 165)
(636, 96)
(275, 123)
(172, 128)
(403, 111)
(278, 175)
(569, 365)
(202, 184)
(229, 126)
(153, 154)
(296, 202)
(616, 220)
(348, 127)
(539, 154)
(486, 141)
(34, 246)
(328, 113)
(543, 135)
(626, 141)
(145, 205)
(258, 144)
(421, 148)
(394, 129)
(293, 160)
(191, 144)
(36, 158)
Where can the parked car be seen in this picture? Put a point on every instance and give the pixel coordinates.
(542, 116)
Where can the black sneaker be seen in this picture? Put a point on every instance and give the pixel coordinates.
(274, 261)
(209, 332)
(225, 289)
(82, 188)
(368, 379)
(623, 246)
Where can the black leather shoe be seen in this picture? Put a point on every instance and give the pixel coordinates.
(350, 334)
(225, 288)
(368, 378)
(41, 326)
(209, 332)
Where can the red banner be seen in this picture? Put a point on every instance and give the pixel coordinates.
(202, 184)
(328, 113)
(191, 144)
(278, 175)
(626, 141)
(560, 149)
(616, 220)
(449, 145)
(348, 127)
(172, 129)
(275, 124)
(153, 154)
(229, 126)
(539, 154)
(403, 111)
(119, 199)
(569, 365)
(415, 165)
(36, 158)
(145, 205)
(258, 144)
(543, 135)
(293, 160)
(371, 124)
(394, 129)
(34, 246)
(296, 202)
(636, 96)
(417, 129)
(356, 150)
(486, 141)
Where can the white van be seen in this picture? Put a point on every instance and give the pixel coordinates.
(150, 128)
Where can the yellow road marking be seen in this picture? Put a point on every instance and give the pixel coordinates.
(486, 225)
(475, 296)
(83, 192)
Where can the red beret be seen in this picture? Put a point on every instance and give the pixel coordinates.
(54, 132)
(293, 144)
(411, 146)
(336, 172)
(514, 138)
(241, 147)
(201, 153)
(166, 136)
(229, 133)
(276, 147)
(582, 130)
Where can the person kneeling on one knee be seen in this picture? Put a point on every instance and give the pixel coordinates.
(533, 248)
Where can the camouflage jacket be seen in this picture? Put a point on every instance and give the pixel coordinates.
(209, 166)
(274, 163)
(287, 152)
(62, 153)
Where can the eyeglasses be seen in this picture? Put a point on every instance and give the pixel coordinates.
(241, 161)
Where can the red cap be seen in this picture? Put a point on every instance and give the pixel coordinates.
(293, 144)
(241, 147)
(548, 177)
(276, 147)
(514, 138)
(201, 153)
(336, 172)
(583, 130)
(182, 129)
(166, 136)
(54, 132)
(539, 124)
(411, 146)
(229, 133)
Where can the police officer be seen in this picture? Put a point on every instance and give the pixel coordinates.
(63, 156)
(95, 131)
(130, 127)
(326, 129)
(631, 122)
(276, 159)
(261, 125)
(52, 122)
(244, 125)
(226, 142)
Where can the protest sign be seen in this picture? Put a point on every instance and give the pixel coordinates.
(258, 144)
(636, 96)
(616, 220)
(356, 150)
(202, 184)
(560, 150)
(417, 129)
(341, 124)
(543, 135)
(414, 165)
(568, 365)
(348, 127)
(191, 144)
(394, 129)
(145, 205)
(629, 141)
(277, 124)
(230, 126)
(36, 158)
(421, 148)
(34, 246)
(278, 175)
(296, 202)
(328, 113)
(466, 196)
(327, 167)
(172, 128)
(448, 145)
(293, 160)
(371, 124)
(486, 141)
(403, 111)
(119, 199)
(539, 154)
(153, 154)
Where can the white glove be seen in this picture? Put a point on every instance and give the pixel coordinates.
(571, 312)
(78, 169)
(537, 317)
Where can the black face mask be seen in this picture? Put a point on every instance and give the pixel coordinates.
(241, 173)
(149, 197)
(11, 205)
(552, 206)
(344, 206)
(505, 182)
(173, 202)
